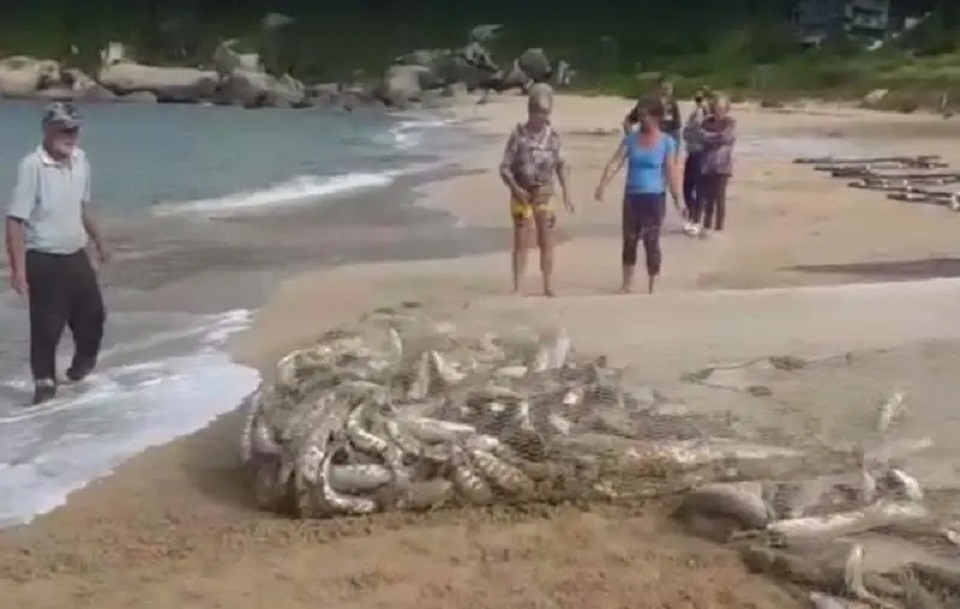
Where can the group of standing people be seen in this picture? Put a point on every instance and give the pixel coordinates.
(651, 150)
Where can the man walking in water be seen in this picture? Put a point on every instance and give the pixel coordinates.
(47, 228)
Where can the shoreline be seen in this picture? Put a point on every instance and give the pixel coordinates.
(183, 507)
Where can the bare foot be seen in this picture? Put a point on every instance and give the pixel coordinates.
(548, 293)
(625, 289)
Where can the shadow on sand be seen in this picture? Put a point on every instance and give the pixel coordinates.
(895, 270)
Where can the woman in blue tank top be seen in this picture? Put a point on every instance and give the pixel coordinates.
(651, 160)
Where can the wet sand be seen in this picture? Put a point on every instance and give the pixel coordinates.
(174, 526)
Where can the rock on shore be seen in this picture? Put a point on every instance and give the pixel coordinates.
(423, 76)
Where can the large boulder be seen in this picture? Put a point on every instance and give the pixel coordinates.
(514, 78)
(535, 64)
(404, 84)
(184, 85)
(252, 89)
(23, 76)
(74, 85)
(226, 59)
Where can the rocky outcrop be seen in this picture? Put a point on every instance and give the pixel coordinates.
(422, 76)
(22, 76)
(226, 59)
(534, 63)
(171, 85)
(252, 89)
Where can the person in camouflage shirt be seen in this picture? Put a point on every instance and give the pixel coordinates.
(532, 162)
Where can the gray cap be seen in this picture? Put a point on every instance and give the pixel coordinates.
(62, 113)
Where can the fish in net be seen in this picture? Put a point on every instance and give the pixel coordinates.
(407, 413)
(404, 412)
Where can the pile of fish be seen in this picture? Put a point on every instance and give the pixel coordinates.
(904, 178)
(405, 413)
(813, 531)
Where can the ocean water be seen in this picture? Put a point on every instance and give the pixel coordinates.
(163, 173)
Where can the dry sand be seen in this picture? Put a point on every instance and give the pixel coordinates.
(174, 526)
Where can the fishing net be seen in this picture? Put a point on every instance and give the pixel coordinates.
(405, 412)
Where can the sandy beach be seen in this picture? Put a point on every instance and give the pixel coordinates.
(175, 527)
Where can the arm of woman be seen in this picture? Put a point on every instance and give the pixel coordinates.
(613, 167)
(723, 137)
(506, 168)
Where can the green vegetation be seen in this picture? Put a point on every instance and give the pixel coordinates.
(744, 46)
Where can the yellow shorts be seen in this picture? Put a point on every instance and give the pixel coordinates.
(523, 210)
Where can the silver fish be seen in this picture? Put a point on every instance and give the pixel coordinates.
(359, 478)
(400, 436)
(395, 344)
(420, 387)
(553, 351)
(559, 424)
(952, 536)
(360, 437)
(848, 523)
(341, 503)
(426, 495)
(867, 490)
(853, 571)
(825, 601)
(853, 579)
(511, 372)
(906, 484)
(501, 474)
(471, 486)
(890, 410)
(432, 430)
(308, 461)
(444, 371)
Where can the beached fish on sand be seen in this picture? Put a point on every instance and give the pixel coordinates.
(952, 536)
(468, 483)
(890, 410)
(501, 474)
(395, 342)
(907, 485)
(334, 501)
(853, 579)
(553, 351)
(847, 523)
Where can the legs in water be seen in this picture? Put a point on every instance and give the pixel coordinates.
(86, 320)
(546, 221)
(49, 304)
(522, 236)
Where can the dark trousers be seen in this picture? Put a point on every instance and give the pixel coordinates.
(63, 292)
(713, 193)
(643, 215)
(691, 194)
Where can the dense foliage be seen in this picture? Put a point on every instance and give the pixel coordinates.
(735, 43)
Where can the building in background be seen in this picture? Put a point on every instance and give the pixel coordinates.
(820, 20)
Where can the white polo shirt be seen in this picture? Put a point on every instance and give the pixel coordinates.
(49, 198)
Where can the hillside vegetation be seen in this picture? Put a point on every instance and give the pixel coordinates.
(740, 45)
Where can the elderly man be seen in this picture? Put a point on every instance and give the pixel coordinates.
(47, 229)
